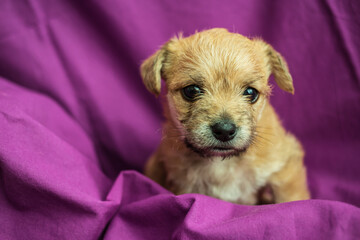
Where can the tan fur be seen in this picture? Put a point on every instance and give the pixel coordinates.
(223, 64)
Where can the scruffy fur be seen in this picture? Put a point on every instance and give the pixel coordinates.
(262, 154)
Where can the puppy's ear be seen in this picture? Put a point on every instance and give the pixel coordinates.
(151, 71)
(278, 67)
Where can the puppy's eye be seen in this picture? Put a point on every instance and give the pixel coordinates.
(252, 94)
(191, 92)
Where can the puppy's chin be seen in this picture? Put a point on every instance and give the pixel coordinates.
(208, 152)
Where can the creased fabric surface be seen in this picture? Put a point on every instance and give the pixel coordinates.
(77, 125)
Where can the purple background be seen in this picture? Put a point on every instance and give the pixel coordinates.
(74, 115)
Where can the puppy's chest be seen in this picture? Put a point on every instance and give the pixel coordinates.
(227, 180)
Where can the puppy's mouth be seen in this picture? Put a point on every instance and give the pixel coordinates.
(215, 151)
(223, 152)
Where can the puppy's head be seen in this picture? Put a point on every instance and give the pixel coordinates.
(217, 85)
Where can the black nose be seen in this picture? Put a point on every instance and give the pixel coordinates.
(224, 130)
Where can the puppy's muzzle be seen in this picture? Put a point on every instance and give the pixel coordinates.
(224, 130)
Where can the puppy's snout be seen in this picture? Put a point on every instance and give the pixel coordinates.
(224, 130)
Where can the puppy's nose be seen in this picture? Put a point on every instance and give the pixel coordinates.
(224, 130)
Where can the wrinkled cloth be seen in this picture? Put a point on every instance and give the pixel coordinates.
(77, 124)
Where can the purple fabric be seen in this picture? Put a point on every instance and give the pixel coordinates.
(77, 125)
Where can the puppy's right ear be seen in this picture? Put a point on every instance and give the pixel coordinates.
(151, 71)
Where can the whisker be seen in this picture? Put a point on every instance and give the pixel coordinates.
(264, 133)
(173, 136)
(269, 128)
(262, 140)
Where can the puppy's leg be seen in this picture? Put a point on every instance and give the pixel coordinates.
(155, 170)
(289, 184)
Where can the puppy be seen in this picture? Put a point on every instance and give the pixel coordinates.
(222, 137)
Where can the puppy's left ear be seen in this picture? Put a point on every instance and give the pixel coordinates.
(151, 71)
(278, 67)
